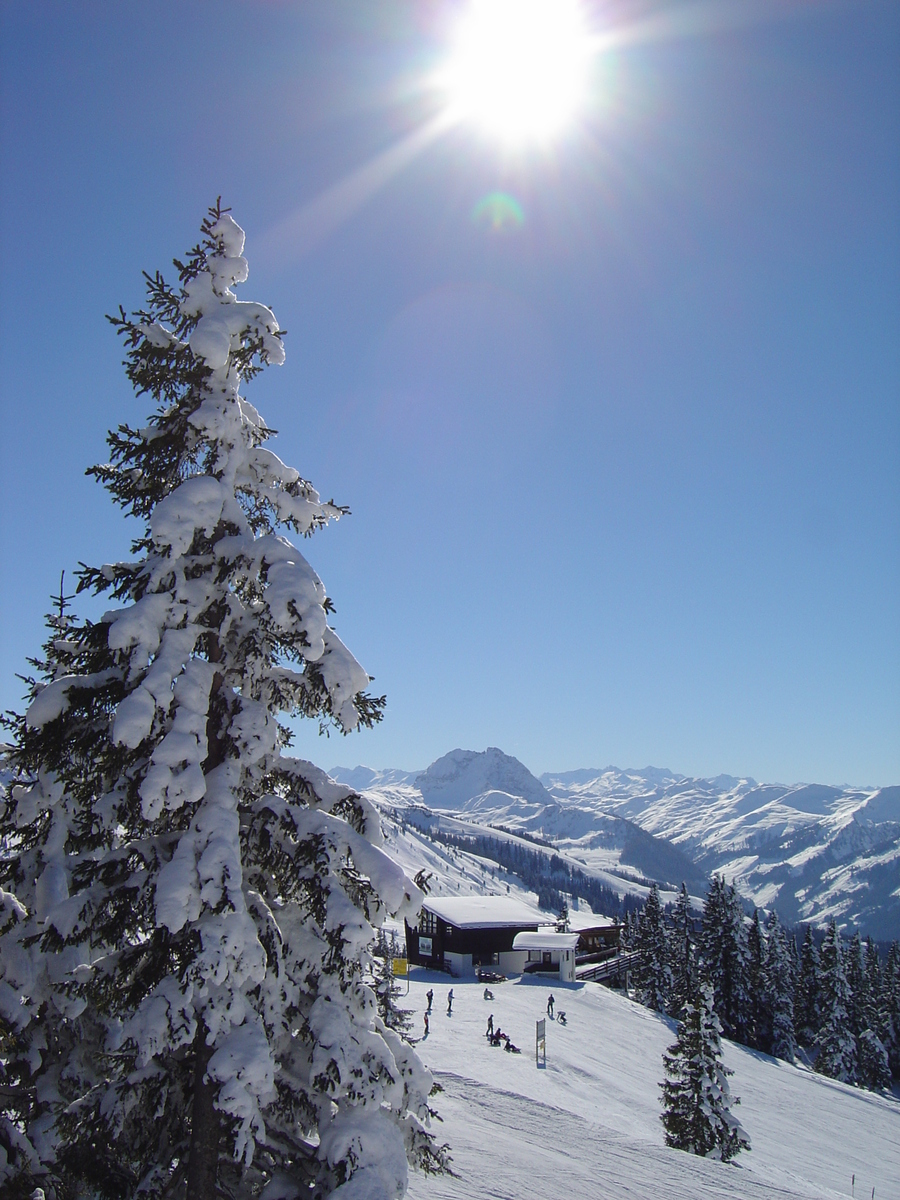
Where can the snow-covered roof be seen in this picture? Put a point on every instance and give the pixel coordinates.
(482, 912)
(545, 939)
(580, 922)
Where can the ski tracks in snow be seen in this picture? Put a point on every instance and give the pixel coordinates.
(508, 1147)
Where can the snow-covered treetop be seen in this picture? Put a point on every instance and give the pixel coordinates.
(214, 501)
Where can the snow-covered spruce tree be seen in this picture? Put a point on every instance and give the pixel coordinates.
(807, 993)
(723, 957)
(696, 1099)
(681, 956)
(387, 990)
(653, 984)
(855, 971)
(837, 1045)
(758, 1032)
(889, 1006)
(217, 893)
(777, 987)
(871, 1049)
(42, 1028)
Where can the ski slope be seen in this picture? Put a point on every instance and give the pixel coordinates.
(588, 1124)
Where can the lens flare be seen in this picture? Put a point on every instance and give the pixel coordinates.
(500, 212)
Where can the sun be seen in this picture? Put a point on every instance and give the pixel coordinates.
(518, 67)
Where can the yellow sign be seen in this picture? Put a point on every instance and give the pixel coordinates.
(401, 967)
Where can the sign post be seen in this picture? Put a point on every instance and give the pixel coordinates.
(540, 1042)
(400, 966)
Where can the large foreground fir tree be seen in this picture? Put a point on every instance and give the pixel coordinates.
(697, 1101)
(187, 910)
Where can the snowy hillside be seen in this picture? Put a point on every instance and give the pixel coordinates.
(589, 1122)
(588, 1125)
(811, 851)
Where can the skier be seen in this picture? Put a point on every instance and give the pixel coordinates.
(450, 1002)
(488, 994)
(561, 1018)
(425, 1034)
(550, 1004)
(429, 996)
(490, 1028)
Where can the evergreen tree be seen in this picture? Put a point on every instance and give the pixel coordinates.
(629, 930)
(807, 993)
(890, 1008)
(696, 1098)
(857, 984)
(871, 1046)
(41, 1028)
(205, 896)
(653, 983)
(837, 1045)
(681, 956)
(387, 990)
(874, 983)
(758, 1026)
(724, 958)
(777, 987)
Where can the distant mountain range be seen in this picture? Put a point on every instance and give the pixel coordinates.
(811, 851)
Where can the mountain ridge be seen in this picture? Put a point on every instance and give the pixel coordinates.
(813, 851)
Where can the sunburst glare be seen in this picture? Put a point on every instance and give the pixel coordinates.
(518, 67)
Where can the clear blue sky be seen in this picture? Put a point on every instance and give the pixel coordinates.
(625, 478)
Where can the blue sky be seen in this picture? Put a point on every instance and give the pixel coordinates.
(625, 477)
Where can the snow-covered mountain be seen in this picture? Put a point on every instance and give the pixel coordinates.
(469, 779)
(811, 851)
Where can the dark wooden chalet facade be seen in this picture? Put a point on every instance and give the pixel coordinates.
(463, 933)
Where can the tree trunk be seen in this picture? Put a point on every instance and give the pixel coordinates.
(203, 1163)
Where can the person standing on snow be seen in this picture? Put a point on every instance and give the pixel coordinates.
(490, 1028)
(550, 1004)
(425, 1034)
(429, 996)
(449, 1002)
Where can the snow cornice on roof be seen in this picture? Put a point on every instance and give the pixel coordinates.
(545, 939)
(483, 912)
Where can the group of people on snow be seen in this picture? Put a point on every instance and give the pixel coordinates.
(496, 1037)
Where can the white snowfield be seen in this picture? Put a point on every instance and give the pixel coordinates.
(588, 1124)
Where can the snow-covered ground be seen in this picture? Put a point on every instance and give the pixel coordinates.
(588, 1124)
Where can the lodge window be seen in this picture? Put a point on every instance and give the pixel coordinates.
(427, 923)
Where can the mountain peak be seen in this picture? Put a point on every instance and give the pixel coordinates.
(455, 778)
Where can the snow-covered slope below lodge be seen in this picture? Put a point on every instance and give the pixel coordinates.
(588, 1124)
(813, 852)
